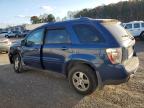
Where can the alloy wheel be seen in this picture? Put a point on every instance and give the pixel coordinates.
(16, 63)
(81, 81)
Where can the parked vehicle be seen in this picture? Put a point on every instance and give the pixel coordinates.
(136, 28)
(24, 33)
(4, 44)
(90, 52)
(13, 34)
(3, 34)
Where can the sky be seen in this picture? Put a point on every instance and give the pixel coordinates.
(15, 12)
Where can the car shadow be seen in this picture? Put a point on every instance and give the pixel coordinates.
(35, 89)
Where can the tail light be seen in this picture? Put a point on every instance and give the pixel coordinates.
(114, 55)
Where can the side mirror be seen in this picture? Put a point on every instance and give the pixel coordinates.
(23, 43)
(29, 43)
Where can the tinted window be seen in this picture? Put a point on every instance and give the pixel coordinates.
(117, 31)
(142, 24)
(35, 37)
(57, 36)
(128, 26)
(136, 25)
(87, 33)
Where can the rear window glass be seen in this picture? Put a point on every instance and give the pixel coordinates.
(57, 36)
(87, 33)
(137, 25)
(142, 24)
(117, 31)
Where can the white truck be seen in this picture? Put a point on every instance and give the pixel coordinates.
(136, 28)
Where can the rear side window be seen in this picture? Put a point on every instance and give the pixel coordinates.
(87, 33)
(57, 36)
(137, 25)
(128, 26)
(142, 24)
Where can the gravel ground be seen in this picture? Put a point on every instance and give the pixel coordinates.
(40, 89)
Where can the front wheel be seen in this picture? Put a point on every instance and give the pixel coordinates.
(18, 67)
(142, 36)
(83, 79)
(16, 36)
(6, 36)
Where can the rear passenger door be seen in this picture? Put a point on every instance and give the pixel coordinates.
(136, 30)
(57, 47)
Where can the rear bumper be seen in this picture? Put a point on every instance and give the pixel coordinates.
(4, 47)
(112, 75)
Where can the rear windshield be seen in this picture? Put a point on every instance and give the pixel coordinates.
(117, 30)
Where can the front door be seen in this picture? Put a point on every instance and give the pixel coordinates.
(31, 51)
(56, 49)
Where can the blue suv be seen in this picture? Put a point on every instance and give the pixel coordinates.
(90, 52)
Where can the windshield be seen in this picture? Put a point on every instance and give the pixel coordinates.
(117, 30)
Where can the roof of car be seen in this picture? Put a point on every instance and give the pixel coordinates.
(82, 19)
(134, 22)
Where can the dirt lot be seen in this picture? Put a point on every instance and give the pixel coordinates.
(37, 89)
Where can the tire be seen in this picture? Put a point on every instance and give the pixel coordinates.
(142, 36)
(82, 79)
(18, 67)
(16, 36)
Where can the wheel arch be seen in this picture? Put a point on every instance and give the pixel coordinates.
(71, 63)
(12, 54)
(142, 32)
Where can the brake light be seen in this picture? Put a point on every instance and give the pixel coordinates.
(114, 55)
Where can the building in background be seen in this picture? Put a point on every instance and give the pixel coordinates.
(32, 26)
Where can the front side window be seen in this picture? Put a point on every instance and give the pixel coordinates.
(128, 26)
(136, 25)
(87, 33)
(57, 36)
(142, 24)
(35, 37)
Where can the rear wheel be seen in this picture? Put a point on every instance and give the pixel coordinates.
(82, 79)
(16, 36)
(142, 36)
(18, 67)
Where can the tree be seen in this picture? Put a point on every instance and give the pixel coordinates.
(43, 18)
(49, 18)
(124, 11)
(35, 20)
